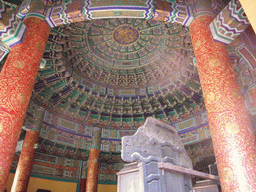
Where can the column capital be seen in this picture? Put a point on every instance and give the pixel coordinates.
(38, 119)
(201, 8)
(96, 137)
(229, 23)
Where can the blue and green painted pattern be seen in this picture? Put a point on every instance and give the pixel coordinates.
(69, 12)
(229, 23)
(38, 119)
(96, 137)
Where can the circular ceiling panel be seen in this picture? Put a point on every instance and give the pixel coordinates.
(126, 43)
(126, 34)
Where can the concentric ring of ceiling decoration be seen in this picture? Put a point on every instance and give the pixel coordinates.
(127, 43)
(117, 72)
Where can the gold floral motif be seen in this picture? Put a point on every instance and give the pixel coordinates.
(26, 158)
(39, 46)
(197, 44)
(18, 64)
(232, 128)
(214, 62)
(210, 97)
(227, 174)
(22, 98)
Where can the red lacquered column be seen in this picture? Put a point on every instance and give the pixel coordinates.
(25, 164)
(93, 170)
(232, 134)
(17, 79)
(26, 160)
(93, 162)
(82, 185)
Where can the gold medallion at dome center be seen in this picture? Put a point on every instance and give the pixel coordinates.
(126, 34)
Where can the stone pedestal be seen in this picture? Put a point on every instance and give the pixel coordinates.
(130, 178)
(206, 185)
(154, 142)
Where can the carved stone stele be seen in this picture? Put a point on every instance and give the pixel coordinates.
(154, 142)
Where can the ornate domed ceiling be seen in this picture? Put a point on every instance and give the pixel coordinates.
(118, 72)
(114, 73)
